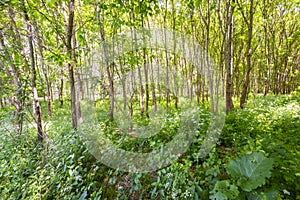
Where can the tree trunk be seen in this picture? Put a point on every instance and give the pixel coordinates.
(206, 21)
(167, 58)
(228, 51)
(109, 69)
(152, 77)
(18, 114)
(70, 64)
(174, 54)
(36, 105)
(142, 101)
(78, 85)
(248, 54)
(45, 73)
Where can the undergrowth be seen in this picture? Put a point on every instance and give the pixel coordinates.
(264, 135)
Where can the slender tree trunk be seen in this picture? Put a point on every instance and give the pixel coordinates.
(146, 84)
(198, 68)
(61, 67)
(61, 88)
(157, 81)
(229, 56)
(248, 55)
(78, 84)
(203, 85)
(142, 101)
(206, 21)
(146, 78)
(191, 83)
(36, 105)
(19, 97)
(239, 56)
(109, 69)
(123, 76)
(45, 73)
(174, 55)
(61, 81)
(267, 47)
(70, 28)
(18, 114)
(152, 77)
(167, 58)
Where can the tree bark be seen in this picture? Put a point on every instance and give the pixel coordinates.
(228, 52)
(36, 105)
(152, 76)
(109, 69)
(176, 91)
(167, 58)
(248, 53)
(78, 84)
(18, 114)
(45, 73)
(206, 21)
(70, 63)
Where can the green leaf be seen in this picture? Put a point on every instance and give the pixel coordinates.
(218, 195)
(84, 194)
(50, 3)
(199, 189)
(251, 170)
(256, 195)
(197, 3)
(224, 190)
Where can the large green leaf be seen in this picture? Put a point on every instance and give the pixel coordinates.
(251, 170)
(224, 190)
(261, 195)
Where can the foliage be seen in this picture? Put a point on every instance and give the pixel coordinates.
(42, 43)
(66, 170)
(224, 190)
(250, 170)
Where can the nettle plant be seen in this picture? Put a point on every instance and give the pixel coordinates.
(247, 175)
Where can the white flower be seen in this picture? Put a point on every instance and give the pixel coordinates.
(187, 194)
(286, 192)
(174, 195)
(169, 175)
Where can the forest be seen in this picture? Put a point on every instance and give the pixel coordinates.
(150, 99)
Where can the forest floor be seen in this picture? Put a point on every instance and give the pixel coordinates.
(257, 157)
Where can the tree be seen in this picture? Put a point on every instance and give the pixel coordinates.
(69, 34)
(36, 104)
(249, 51)
(226, 25)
